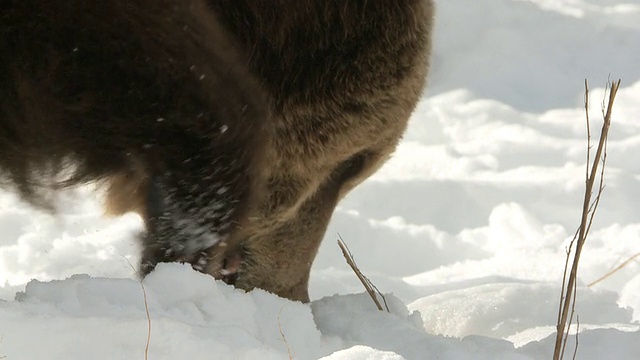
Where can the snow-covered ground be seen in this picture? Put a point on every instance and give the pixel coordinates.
(467, 226)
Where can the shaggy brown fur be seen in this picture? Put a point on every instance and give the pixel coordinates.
(88, 82)
(146, 90)
(345, 76)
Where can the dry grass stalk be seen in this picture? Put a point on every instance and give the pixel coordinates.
(616, 269)
(284, 338)
(146, 308)
(575, 349)
(566, 309)
(368, 285)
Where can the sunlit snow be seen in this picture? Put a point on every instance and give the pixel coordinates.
(466, 228)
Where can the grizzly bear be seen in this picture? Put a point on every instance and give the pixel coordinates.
(233, 127)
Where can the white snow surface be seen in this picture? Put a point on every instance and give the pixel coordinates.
(465, 229)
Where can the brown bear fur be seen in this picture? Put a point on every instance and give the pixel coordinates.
(147, 90)
(341, 79)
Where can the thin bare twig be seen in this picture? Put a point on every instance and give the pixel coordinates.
(368, 285)
(617, 268)
(586, 112)
(573, 312)
(564, 274)
(284, 338)
(575, 349)
(384, 299)
(146, 309)
(567, 301)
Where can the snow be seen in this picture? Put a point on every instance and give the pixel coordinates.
(465, 229)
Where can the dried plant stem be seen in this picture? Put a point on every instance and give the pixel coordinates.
(284, 338)
(616, 269)
(146, 308)
(368, 285)
(575, 350)
(567, 299)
